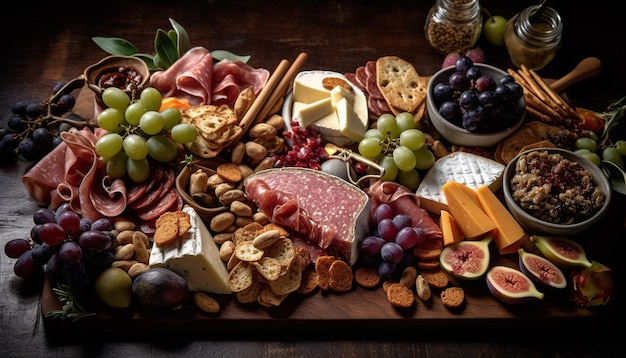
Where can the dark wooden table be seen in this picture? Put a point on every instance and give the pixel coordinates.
(43, 43)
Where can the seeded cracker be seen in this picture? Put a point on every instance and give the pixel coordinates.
(400, 84)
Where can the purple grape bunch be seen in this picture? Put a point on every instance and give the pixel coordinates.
(477, 101)
(66, 247)
(389, 245)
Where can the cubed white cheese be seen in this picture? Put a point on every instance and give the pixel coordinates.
(195, 257)
(470, 169)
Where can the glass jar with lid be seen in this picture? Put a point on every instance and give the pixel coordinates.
(533, 41)
(453, 25)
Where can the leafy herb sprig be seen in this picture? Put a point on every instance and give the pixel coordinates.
(71, 308)
(612, 115)
(169, 46)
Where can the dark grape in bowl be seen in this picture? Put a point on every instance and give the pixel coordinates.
(476, 107)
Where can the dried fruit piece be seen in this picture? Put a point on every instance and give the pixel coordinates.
(563, 252)
(541, 270)
(511, 286)
(467, 260)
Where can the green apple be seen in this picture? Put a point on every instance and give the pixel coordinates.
(493, 28)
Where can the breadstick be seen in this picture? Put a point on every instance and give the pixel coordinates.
(531, 82)
(555, 96)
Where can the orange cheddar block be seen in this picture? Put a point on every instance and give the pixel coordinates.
(508, 235)
(466, 209)
(449, 228)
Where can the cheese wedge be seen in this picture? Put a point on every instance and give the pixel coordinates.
(469, 169)
(471, 218)
(508, 235)
(350, 124)
(307, 114)
(195, 256)
(449, 228)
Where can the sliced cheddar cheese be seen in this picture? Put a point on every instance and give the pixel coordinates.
(508, 235)
(449, 228)
(312, 112)
(470, 217)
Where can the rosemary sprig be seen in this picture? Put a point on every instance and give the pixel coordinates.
(71, 308)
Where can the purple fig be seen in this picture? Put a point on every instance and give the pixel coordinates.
(467, 259)
(511, 286)
(563, 252)
(541, 270)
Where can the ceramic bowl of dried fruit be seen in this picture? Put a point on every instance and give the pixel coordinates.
(553, 191)
(472, 111)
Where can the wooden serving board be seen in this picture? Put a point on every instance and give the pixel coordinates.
(357, 310)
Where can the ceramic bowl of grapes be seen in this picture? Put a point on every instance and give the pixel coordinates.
(474, 104)
(555, 191)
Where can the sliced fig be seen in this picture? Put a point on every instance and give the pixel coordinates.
(468, 260)
(541, 270)
(563, 252)
(511, 286)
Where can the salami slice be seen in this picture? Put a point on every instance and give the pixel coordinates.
(158, 207)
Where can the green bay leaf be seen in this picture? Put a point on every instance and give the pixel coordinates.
(115, 45)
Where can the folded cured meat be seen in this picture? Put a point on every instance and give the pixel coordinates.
(328, 210)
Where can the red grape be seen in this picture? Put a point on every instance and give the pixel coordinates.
(16, 247)
(52, 233)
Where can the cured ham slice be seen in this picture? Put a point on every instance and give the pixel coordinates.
(190, 77)
(196, 78)
(403, 201)
(329, 211)
(231, 77)
(74, 173)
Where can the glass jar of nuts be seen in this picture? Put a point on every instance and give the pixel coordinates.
(453, 25)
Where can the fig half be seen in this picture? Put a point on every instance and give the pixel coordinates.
(563, 252)
(541, 270)
(511, 286)
(468, 260)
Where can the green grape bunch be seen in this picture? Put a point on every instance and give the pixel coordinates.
(139, 131)
(398, 146)
(605, 147)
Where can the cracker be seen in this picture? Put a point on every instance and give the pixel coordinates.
(289, 282)
(240, 277)
(246, 251)
(309, 281)
(305, 256)
(250, 294)
(400, 296)
(341, 276)
(436, 278)
(367, 277)
(322, 266)
(230, 172)
(246, 233)
(269, 267)
(268, 297)
(399, 83)
(429, 250)
(282, 250)
(428, 264)
(331, 82)
(168, 227)
(452, 297)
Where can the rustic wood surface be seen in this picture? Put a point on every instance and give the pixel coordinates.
(47, 42)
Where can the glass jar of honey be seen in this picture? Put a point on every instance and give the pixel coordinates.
(453, 25)
(533, 41)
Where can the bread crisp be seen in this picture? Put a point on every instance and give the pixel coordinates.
(453, 297)
(400, 84)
